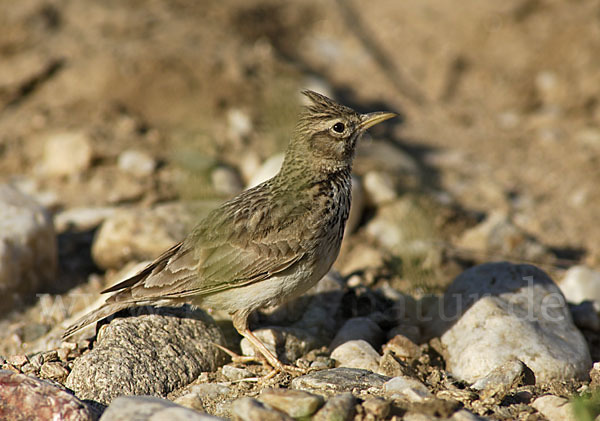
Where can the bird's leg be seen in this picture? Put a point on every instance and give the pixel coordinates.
(240, 323)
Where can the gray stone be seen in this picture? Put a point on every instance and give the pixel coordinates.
(295, 403)
(151, 354)
(28, 250)
(150, 408)
(143, 234)
(510, 374)
(287, 343)
(497, 312)
(28, 398)
(402, 347)
(234, 373)
(406, 388)
(249, 409)
(585, 315)
(337, 408)
(67, 153)
(359, 328)
(554, 408)
(357, 354)
(337, 380)
(135, 162)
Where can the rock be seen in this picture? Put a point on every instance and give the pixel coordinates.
(379, 188)
(28, 249)
(295, 403)
(287, 343)
(136, 408)
(357, 206)
(190, 400)
(496, 312)
(585, 315)
(498, 235)
(357, 354)
(581, 283)
(402, 347)
(28, 398)
(239, 124)
(359, 328)
(67, 153)
(376, 407)
(595, 376)
(404, 228)
(226, 181)
(82, 219)
(249, 409)
(337, 408)
(267, 170)
(233, 373)
(138, 163)
(143, 234)
(361, 258)
(406, 388)
(151, 354)
(54, 371)
(337, 380)
(554, 408)
(464, 415)
(511, 374)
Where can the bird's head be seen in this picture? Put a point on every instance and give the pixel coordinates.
(327, 133)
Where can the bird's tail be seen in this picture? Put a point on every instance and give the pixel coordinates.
(98, 314)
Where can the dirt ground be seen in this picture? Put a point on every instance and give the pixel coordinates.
(499, 102)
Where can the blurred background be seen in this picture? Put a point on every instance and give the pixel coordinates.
(136, 105)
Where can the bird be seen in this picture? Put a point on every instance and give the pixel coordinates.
(270, 243)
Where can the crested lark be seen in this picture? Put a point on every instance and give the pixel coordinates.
(269, 244)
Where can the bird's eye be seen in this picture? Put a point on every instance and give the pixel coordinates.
(339, 127)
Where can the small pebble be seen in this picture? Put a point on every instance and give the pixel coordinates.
(379, 188)
(337, 408)
(406, 388)
(402, 347)
(554, 408)
(190, 400)
(295, 403)
(137, 163)
(377, 407)
(357, 354)
(250, 409)
(226, 181)
(67, 153)
(233, 373)
(359, 328)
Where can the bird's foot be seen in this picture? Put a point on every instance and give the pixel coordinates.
(271, 360)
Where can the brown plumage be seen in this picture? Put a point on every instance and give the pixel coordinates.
(268, 244)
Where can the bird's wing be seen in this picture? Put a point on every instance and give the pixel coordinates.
(227, 250)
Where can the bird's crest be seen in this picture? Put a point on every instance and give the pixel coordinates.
(324, 107)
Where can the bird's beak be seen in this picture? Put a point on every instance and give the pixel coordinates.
(371, 119)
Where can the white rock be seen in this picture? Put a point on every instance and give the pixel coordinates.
(136, 162)
(267, 170)
(28, 250)
(357, 354)
(496, 312)
(406, 388)
(379, 188)
(233, 373)
(554, 408)
(359, 328)
(67, 153)
(291, 342)
(82, 219)
(226, 181)
(239, 123)
(581, 283)
(505, 375)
